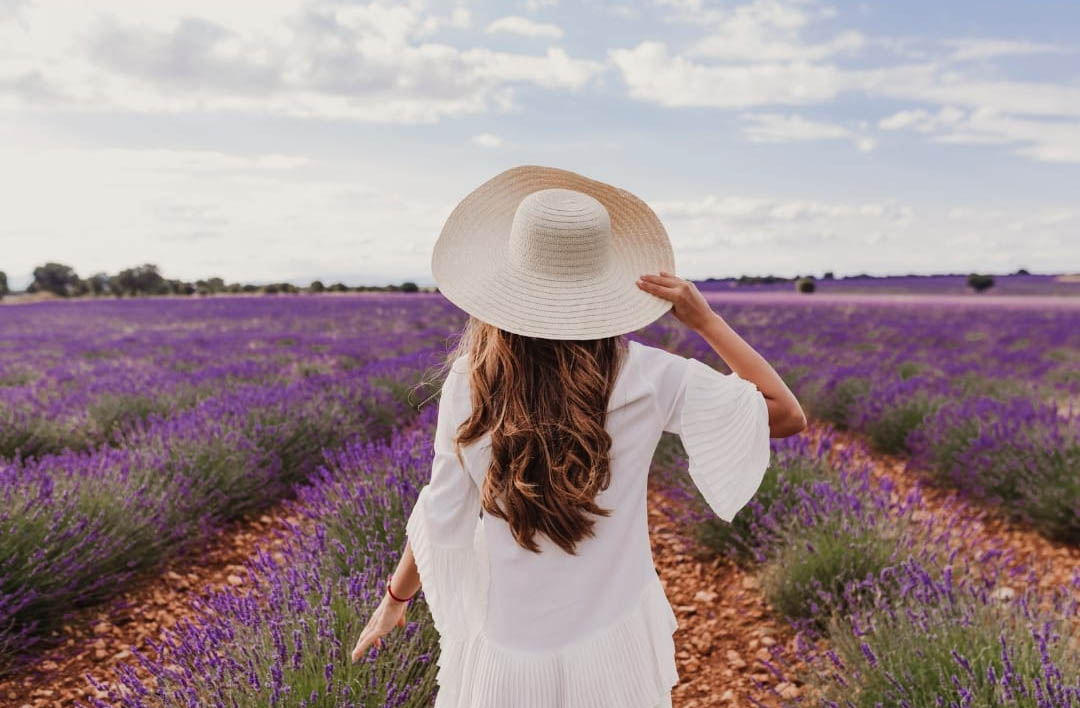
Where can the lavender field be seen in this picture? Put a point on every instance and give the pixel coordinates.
(132, 430)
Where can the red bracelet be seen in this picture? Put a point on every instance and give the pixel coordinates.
(391, 592)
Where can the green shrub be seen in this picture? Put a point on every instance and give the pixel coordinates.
(834, 404)
(949, 653)
(888, 430)
(783, 480)
(808, 578)
(980, 282)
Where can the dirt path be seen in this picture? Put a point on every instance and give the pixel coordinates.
(1055, 562)
(99, 638)
(725, 626)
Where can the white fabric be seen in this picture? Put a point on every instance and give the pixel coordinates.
(592, 630)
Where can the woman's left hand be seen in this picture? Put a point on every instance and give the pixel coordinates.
(387, 615)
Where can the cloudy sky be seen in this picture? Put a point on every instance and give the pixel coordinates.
(295, 139)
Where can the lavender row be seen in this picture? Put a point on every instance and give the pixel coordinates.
(77, 523)
(892, 606)
(287, 642)
(73, 374)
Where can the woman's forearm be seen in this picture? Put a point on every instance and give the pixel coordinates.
(786, 416)
(406, 578)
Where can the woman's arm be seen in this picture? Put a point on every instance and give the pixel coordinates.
(405, 581)
(786, 416)
(689, 306)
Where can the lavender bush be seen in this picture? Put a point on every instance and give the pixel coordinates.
(76, 524)
(953, 640)
(1019, 454)
(287, 643)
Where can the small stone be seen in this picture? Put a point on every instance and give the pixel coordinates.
(706, 596)
(734, 660)
(788, 690)
(1003, 593)
(235, 580)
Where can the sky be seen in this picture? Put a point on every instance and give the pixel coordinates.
(289, 140)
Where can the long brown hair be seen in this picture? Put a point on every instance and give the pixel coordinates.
(545, 403)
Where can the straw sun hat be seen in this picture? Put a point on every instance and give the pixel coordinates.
(544, 252)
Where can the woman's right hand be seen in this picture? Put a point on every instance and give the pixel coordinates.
(688, 304)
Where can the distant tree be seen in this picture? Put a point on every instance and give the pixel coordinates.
(1022, 271)
(180, 287)
(270, 289)
(210, 286)
(980, 282)
(339, 288)
(828, 275)
(249, 288)
(409, 287)
(234, 287)
(805, 285)
(55, 278)
(98, 284)
(141, 280)
(3, 284)
(316, 286)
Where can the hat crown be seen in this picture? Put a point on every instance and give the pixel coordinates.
(561, 234)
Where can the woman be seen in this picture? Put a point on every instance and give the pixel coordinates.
(531, 538)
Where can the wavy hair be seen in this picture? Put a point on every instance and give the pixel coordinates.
(544, 401)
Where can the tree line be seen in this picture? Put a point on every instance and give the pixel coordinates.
(143, 280)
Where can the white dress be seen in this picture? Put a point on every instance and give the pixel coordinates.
(552, 630)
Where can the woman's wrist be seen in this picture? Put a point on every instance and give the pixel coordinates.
(394, 596)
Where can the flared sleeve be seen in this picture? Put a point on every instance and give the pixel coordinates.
(444, 527)
(723, 422)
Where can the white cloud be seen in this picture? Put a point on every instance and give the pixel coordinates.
(524, 26)
(779, 128)
(537, 5)
(765, 209)
(651, 74)
(487, 140)
(104, 209)
(759, 31)
(932, 83)
(624, 12)
(756, 54)
(984, 48)
(733, 234)
(1038, 139)
(737, 234)
(368, 62)
(460, 17)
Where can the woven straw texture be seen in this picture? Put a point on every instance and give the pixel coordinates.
(545, 252)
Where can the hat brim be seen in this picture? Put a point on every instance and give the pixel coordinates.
(471, 268)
